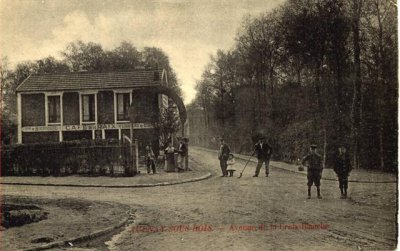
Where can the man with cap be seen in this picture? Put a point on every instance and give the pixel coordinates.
(223, 155)
(264, 152)
(313, 162)
(342, 169)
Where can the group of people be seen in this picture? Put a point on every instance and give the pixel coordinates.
(226, 160)
(313, 161)
(182, 151)
(169, 152)
(342, 168)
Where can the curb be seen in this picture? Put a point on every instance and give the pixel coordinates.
(203, 177)
(323, 178)
(241, 156)
(81, 238)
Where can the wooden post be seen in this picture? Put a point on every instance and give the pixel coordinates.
(187, 154)
(186, 141)
(19, 114)
(134, 153)
(133, 167)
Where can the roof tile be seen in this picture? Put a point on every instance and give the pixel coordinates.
(84, 81)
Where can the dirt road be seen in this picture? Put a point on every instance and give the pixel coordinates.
(264, 213)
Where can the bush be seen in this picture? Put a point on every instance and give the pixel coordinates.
(72, 157)
(18, 215)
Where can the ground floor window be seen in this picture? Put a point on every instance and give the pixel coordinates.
(77, 135)
(111, 134)
(36, 137)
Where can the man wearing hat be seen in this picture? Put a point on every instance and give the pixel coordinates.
(223, 155)
(182, 151)
(342, 169)
(264, 152)
(313, 162)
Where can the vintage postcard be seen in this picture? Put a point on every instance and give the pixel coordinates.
(199, 125)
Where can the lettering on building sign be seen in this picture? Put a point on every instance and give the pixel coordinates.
(40, 128)
(86, 127)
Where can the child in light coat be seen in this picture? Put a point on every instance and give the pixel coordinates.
(231, 163)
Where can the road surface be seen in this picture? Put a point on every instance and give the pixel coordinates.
(264, 213)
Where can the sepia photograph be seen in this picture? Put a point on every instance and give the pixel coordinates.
(199, 125)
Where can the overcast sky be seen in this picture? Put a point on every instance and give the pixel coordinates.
(188, 31)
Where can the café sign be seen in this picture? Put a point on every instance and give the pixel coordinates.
(51, 128)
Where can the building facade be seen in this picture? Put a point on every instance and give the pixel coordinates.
(74, 106)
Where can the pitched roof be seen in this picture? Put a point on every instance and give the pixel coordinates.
(87, 81)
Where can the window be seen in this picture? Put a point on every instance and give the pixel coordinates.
(54, 111)
(88, 108)
(123, 102)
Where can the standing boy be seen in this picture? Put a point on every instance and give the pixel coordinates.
(314, 170)
(342, 169)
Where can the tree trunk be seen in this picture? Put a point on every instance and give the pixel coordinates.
(254, 127)
(321, 109)
(325, 145)
(356, 104)
(381, 149)
(381, 86)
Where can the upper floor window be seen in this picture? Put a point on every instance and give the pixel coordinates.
(54, 109)
(88, 108)
(123, 103)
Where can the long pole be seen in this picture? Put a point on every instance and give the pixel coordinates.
(133, 164)
(240, 175)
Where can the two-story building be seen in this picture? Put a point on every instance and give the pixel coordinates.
(73, 106)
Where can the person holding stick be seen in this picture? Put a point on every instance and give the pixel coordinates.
(264, 152)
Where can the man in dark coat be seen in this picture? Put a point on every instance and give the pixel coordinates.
(182, 150)
(342, 169)
(223, 155)
(150, 159)
(313, 161)
(264, 152)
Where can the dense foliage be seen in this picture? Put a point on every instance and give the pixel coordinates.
(92, 157)
(321, 71)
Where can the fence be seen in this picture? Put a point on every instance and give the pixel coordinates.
(112, 158)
